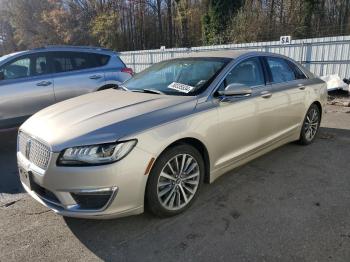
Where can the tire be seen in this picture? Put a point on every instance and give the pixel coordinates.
(170, 192)
(310, 126)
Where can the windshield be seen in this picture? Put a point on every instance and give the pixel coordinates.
(183, 76)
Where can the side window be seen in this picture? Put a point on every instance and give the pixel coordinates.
(40, 66)
(248, 73)
(280, 70)
(89, 60)
(83, 61)
(17, 69)
(297, 72)
(101, 60)
(71, 61)
(61, 62)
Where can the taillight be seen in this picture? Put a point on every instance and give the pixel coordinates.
(128, 70)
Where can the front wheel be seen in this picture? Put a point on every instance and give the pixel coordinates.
(311, 125)
(174, 181)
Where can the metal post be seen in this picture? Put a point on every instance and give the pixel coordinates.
(302, 53)
(133, 61)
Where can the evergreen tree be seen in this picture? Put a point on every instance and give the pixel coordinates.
(216, 19)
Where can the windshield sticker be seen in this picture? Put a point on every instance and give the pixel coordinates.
(181, 87)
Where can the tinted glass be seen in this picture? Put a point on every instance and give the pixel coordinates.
(280, 70)
(41, 66)
(297, 72)
(101, 60)
(248, 73)
(70, 61)
(17, 69)
(62, 62)
(170, 77)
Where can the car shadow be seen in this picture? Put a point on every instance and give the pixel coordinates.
(9, 179)
(242, 214)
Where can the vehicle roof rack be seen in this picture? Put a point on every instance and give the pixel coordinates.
(75, 47)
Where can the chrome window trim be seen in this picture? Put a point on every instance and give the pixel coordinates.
(208, 95)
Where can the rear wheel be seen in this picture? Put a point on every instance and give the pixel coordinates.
(174, 181)
(311, 125)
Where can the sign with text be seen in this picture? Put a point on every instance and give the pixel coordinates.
(286, 40)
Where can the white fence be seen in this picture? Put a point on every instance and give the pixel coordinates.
(322, 56)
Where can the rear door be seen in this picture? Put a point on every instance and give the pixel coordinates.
(27, 88)
(288, 95)
(76, 73)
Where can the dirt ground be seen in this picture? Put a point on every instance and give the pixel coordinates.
(292, 204)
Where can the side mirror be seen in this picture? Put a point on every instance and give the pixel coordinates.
(2, 75)
(236, 90)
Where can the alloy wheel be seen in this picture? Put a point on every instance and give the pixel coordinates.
(311, 124)
(178, 182)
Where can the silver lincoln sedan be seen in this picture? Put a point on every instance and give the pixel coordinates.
(154, 140)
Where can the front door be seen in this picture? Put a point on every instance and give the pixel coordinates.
(26, 88)
(243, 120)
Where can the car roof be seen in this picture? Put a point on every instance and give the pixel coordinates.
(233, 54)
(63, 48)
(97, 50)
(220, 53)
(91, 49)
(5, 57)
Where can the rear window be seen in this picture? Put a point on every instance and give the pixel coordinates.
(72, 61)
(102, 60)
(297, 72)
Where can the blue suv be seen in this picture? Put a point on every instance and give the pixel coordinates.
(34, 79)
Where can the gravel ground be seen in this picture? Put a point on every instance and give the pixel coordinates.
(289, 205)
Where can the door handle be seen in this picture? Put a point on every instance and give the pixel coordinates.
(301, 86)
(266, 94)
(95, 77)
(44, 83)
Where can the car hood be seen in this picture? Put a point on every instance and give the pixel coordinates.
(104, 116)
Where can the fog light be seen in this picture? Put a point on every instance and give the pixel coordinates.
(95, 199)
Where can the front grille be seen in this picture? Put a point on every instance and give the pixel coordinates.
(36, 152)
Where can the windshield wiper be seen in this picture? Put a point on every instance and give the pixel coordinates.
(146, 90)
(121, 87)
(153, 91)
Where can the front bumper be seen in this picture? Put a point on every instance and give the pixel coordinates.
(106, 191)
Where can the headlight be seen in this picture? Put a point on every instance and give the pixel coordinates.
(96, 154)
